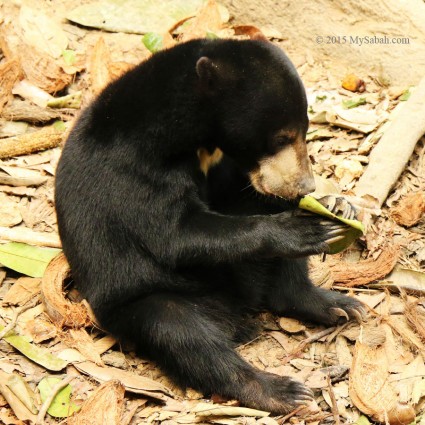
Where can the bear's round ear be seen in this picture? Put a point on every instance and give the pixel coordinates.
(206, 70)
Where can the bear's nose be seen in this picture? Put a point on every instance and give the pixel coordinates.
(306, 186)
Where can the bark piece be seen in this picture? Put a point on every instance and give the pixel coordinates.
(390, 156)
(40, 140)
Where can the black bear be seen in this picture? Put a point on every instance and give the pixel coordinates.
(176, 199)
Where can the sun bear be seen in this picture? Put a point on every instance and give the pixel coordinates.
(176, 200)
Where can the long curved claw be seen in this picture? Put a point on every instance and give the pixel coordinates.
(340, 312)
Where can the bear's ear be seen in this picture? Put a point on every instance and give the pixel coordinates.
(207, 72)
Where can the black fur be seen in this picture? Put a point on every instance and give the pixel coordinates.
(172, 260)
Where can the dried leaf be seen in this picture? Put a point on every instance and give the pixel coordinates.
(251, 31)
(208, 20)
(61, 406)
(107, 400)
(10, 73)
(42, 70)
(23, 391)
(22, 291)
(19, 408)
(31, 92)
(132, 382)
(208, 409)
(9, 212)
(135, 16)
(100, 59)
(81, 340)
(41, 32)
(291, 325)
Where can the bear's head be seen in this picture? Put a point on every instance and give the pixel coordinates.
(259, 107)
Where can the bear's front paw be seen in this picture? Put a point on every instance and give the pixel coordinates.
(337, 308)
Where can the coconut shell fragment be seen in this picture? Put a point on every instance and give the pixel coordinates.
(62, 311)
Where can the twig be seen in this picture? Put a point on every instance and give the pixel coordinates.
(43, 409)
(14, 320)
(335, 411)
(305, 342)
(289, 415)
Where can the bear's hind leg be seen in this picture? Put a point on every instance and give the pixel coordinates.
(194, 347)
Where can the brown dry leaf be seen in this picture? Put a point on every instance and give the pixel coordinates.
(207, 20)
(410, 209)
(415, 315)
(42, 32)
(18, 191)
(353, 83)
(99, 62)
(10, 73)
(18, 407)
(401, 326)
(370, 389)
(250, 31)
(23, 290)
(132, 382)
(362, 272)
(38, 214)
(117, 69)
(371, 300)
(9, 212)
(40, 330)
(105, 406)
(105, 343)
(291, 325)
(81, 341)
(61, 311)
(42, 70)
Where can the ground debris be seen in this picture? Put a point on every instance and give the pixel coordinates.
(375, 368)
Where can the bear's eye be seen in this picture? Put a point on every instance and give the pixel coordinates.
(282, 140)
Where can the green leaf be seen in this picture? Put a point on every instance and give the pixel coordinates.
(211, 35)
(363, 420)
(353, 103)
(61, 407)
(69, 57)
(59, 125)
(69, 101)
(39, 355)
(405, 96)
(153, 41)
(357, 229)
(26, 259)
